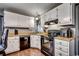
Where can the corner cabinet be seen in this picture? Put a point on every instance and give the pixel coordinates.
(65, 14)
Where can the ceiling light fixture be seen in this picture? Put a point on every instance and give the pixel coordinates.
(36, 18)
(45, 25)
(52, 23)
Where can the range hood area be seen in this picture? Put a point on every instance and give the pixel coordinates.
(37, 22)
(51, 22)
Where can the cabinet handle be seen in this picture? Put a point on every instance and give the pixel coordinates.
(9, 41)
(60, 43)
(60, 48)
(70, 20)
(60, 54)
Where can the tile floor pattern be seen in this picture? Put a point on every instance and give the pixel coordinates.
(27, 52)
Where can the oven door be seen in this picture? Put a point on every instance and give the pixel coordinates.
(47, 46)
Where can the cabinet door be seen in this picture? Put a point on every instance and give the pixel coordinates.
(10, 18)
(38, 42)
(31, 22)
(46, 17)
(20, 21)
(7, 18)
(60, 53)
(25, 21)
(35, 42)
(42, 20)
(51, 15)
(64, 13)
(54, 14)
(9, 46)
(12, 45)
(16, 45)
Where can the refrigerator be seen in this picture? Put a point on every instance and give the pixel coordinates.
(77, 29)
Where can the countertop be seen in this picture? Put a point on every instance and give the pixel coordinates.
(42, 34)
(29, 33)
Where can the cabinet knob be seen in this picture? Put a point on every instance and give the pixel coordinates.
(60, 43)
(60, 54)
(60, 48)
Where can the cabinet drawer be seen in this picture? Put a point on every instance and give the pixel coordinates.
(62, 48)
(60, 53)
(61, 42)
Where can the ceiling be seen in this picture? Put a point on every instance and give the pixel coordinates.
(29, 9)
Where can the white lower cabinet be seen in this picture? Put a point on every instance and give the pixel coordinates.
(35, 41)
(64, 48)
(12, 45)
(60, 53)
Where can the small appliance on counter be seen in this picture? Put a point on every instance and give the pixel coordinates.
(16, 32)
(53, 33)
(67, 32)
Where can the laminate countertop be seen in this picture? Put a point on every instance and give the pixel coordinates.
(42, 34)
(28, 34)
(65, 38)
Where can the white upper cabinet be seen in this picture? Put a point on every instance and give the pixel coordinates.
(50, 15)
(65, 13)
(42, 20)
(45, 17)
(53, 14)
(31, 21)
(10, 19)
(26, 21)
(22, 21)
(17, 20)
